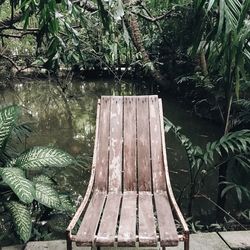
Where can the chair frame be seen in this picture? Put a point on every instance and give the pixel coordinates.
(184, 236)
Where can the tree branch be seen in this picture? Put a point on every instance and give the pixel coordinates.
(18, 36)
(155, 19)
(8, 22)
(10, 60)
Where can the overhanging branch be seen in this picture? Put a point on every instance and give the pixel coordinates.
(10, 21)
(155, 19)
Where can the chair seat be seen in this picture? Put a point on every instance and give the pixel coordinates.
(126, 218)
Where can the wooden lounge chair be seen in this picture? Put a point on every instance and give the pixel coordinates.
(129, 198)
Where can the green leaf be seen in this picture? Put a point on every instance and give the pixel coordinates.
(8, 118)
(221, 18)
(21, 186)
(239, 193)
(119, 11)
(226, 189)
(47, 195)
(66, 204)
(43, 179)
(210, 5)
(39, 157)
(22, 219)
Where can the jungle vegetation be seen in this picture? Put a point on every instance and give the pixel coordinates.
(197, 49)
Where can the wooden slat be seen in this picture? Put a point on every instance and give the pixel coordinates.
(130, 144)
(166, 225)
(143, 145)
(158, 174)
(102, 153)
(115, 155)
(107, 231)
(147, 230)
(127, 226)
(88, 227)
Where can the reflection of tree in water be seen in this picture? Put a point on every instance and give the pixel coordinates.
(65, 119)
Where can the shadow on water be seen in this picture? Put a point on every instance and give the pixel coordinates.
(66, 119)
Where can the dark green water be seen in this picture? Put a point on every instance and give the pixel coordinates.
(66, 119)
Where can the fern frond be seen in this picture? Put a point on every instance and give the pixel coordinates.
(21, 218)
(21, 186)
(231, 143)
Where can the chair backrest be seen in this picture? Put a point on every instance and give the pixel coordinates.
(129, 150)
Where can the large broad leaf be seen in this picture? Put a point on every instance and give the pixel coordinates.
(21, 186)
(8, 117)
(22, 219)
(47, 195)
(39, 157)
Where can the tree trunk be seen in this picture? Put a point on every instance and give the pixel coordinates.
(133, 27)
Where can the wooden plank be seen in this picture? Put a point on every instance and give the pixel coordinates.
(130, 182)
(115, 155)
(166, 225)
(203, 241)
(127, 226)
(147, 230)
(143, 144)
(101, 175)
(107, 231)
(48, 245)
(237, 239)
(88, 227)
(158, 173)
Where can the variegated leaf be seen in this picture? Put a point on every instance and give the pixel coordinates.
(43, 179)
(39, 157)
(8, 117)
(47, 195)
(66, 204)
(21, 218)
(21, 186)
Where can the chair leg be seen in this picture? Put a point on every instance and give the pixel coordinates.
(69, 242)
(186, 241)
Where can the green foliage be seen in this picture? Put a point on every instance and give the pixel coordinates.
(20, 192)
(39, 157)
(239, 189)
(8, 117)
(224, 38)
(22, 187)
(22, 219)
(47, 195)
(232, 143)
(234, 146)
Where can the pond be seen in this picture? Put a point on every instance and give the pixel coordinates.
(64, 115)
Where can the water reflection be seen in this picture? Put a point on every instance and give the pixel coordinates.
(67, 119)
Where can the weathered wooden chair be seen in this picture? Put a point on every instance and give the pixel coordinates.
(129, 198)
